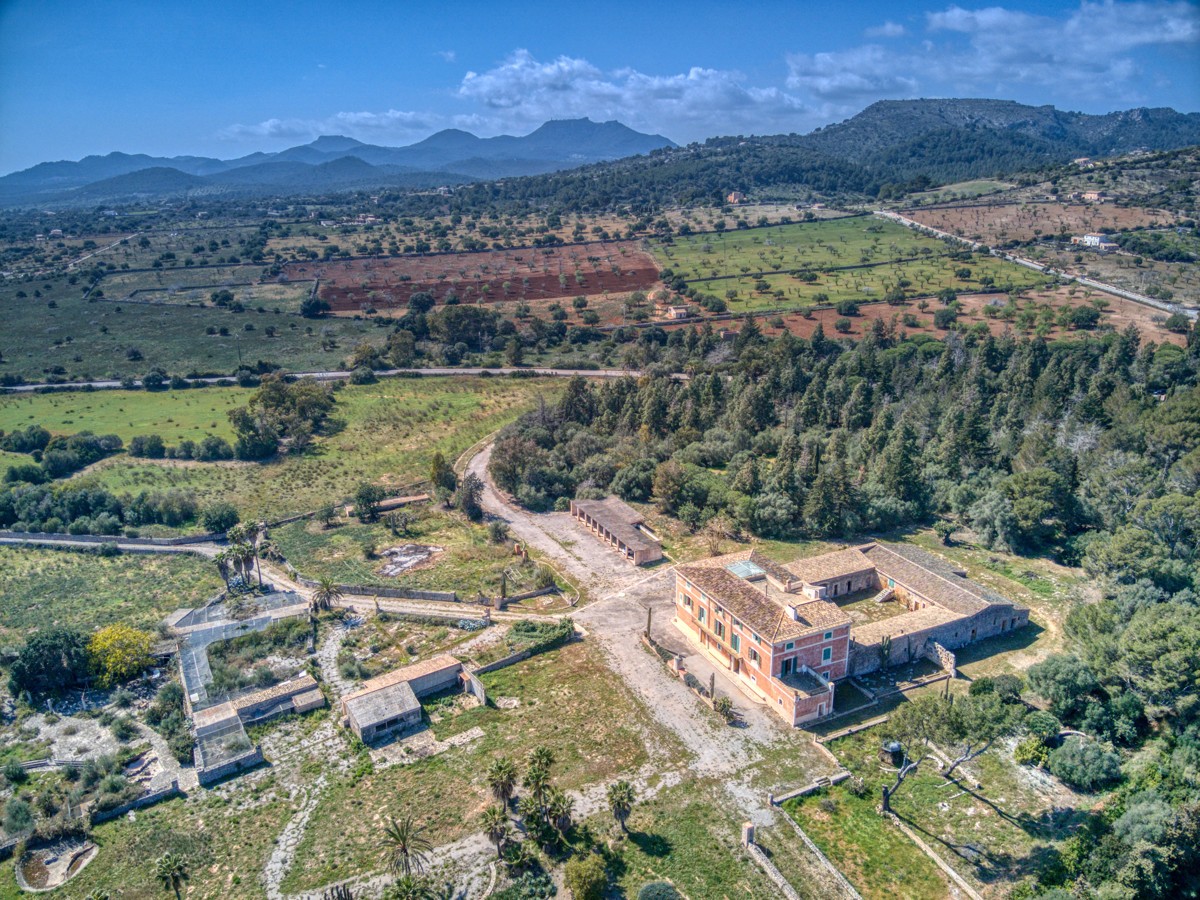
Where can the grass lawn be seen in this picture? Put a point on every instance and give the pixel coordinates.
(175, 415)
(41, 588)
(392, 430)
(686, 836)
(225, 846)
(569, 702)
(871, 852)
(470, 563)
(994, 835)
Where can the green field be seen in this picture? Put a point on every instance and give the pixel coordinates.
(391, 431)
(963, 189)
(77, 339)
(175, 415)
(859, 258)
(470, 564)
(41, 588)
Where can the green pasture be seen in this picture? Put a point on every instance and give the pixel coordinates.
(388, 434)
(175, 415)
(806, 245)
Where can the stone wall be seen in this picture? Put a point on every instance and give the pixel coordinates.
(239, 763)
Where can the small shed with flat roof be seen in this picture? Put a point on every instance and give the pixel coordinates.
(391, 702)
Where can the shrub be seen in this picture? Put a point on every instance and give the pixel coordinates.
(52, 659)
(1085, 764)
(585, 877)
(497, 531)
(14, 774)
(1042, 725)
(118, 652)
(219, 517)
(18, 817)
(842, 325)
(150, 446)
(1030, 751)
(123, 729)
(857, 786)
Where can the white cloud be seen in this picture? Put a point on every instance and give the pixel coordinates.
(391, 124)
(523, 91)
(866, 72)
(447, 55)
(887, 30)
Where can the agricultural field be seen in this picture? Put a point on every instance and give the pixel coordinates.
(995, 224)
(1044, 312)
(1180, 281)
(61, 335)
(856, 258)
(391, 431)
(282, 297)
(485, 276)
(40, 588)
(173, 415)
(962, 190)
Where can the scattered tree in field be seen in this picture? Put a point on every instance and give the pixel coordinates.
(366, 501)
(496, 826)
(325, 594)
(502, 779)
(219, 517)
(621, 797)
(468, 495)
(1085, 764)
(118, 652)
(50, 661)
(403, 845)
(172, 871)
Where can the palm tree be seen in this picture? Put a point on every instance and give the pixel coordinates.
(340, 892)
(537, 782)
(517, 856)
(621, 798)
(223, 560)
(404, 845)
(172, 871)
(559, 807)
(541, 757)
(495, 823)
(325, 594)
(502, 779)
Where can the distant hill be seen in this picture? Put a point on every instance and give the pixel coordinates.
(888, 148)
(330, 163)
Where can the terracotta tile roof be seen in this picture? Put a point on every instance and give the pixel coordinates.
(406, 674)
(827, 566)
(933, 578)
(763, 610)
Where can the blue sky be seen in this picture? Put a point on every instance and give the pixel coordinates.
(224, 79)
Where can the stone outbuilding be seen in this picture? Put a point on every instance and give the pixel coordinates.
(391, 702)
(621, 527)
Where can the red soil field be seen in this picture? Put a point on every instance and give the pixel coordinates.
(539, 273)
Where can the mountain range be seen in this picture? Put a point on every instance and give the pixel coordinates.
(891, 145)
(329, 163)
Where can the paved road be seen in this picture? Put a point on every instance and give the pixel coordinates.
(337, 375)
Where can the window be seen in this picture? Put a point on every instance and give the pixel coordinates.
(754, 657)
(735, 642)
(757, 639)
(687, 601)
(829, 635)
(827, 654)
(790, 645)
(719, 611)
(719, 628)
(736, 622)
(701, 615)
